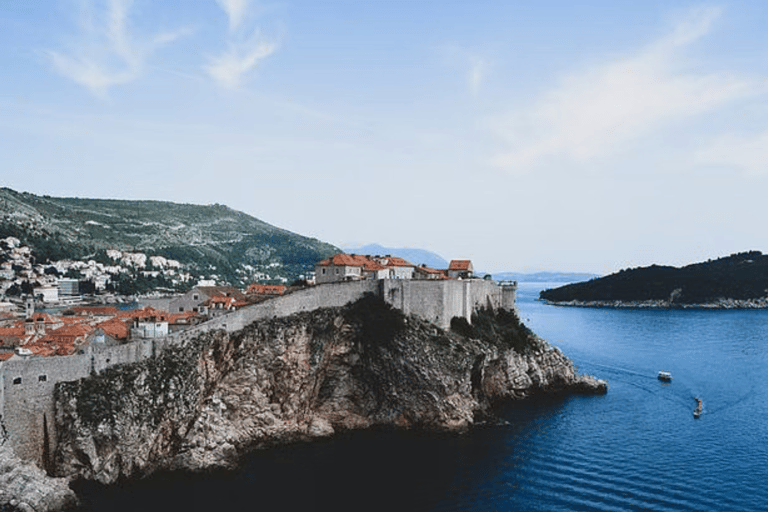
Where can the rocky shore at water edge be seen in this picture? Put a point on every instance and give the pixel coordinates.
(722, 303)
(207, 403)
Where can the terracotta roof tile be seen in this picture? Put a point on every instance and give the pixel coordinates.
(115, 328)
(395, 261)
(460, 265)
(266, 289)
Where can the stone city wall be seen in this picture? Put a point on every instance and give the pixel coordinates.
(27, 385)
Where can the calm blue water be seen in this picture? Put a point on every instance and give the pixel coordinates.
(636, 448)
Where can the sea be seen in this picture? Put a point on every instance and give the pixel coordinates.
(636, 448)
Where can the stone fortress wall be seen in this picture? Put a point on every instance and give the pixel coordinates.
(26, 385)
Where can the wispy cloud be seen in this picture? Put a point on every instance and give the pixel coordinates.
(246, 47)
(471, 64)
(477, 72)
(235, 10)
(592, 111)
(106, 52)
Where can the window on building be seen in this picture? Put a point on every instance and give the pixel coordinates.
(195, 297)
(323, 271)
(337, 271)
(17, 380)
(181, 309)
(42, 378)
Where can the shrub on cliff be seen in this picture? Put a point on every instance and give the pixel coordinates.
(500, 327)
(379, 322)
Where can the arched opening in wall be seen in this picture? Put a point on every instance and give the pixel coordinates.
(17, 380)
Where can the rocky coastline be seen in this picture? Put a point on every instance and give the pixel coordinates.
(720, 303)
(27, 488)
(205, 404)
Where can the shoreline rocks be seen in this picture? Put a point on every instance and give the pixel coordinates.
(25, 487)
(721, 303)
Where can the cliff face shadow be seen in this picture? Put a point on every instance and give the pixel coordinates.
(364, 470)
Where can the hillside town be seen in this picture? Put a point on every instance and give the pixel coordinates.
(55, 315)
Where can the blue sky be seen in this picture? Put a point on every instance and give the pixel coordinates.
(549, 135)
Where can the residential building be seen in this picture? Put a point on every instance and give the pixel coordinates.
(353, 267)
(195, 299)
(461, 269)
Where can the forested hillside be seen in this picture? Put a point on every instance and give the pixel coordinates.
(739, 276)
(209, 239)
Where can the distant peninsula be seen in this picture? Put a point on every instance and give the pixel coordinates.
(738, 281)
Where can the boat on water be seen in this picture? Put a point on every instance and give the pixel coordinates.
(697, 411)
(665, 376)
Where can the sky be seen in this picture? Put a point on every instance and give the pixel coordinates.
(586, 136)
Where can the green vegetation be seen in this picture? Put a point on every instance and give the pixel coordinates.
(379, 321)
(498, 327)
(739, 276)
(146, 388)
(206, 239)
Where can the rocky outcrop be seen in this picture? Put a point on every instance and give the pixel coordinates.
(301, 377)
(25, 487)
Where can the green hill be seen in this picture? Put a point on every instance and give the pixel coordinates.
(210, 239)
(742, 276)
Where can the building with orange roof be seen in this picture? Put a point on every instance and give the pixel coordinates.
(461, 269)
(398, 267)
(114, 328)
(195, 299)
(425, 272)
(146, 323)
(353, 267)
(181, 321)
(219, 305)
(63, 341)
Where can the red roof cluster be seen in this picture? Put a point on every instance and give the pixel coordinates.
(372, 263)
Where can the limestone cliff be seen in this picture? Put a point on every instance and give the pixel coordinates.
(305, 376)
(25, 487)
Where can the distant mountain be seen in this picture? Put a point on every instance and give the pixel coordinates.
(543, 277)
(739, 277)
(211, 239)
(415, 256)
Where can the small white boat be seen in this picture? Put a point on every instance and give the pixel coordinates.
(665, 376)
(699, 407)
